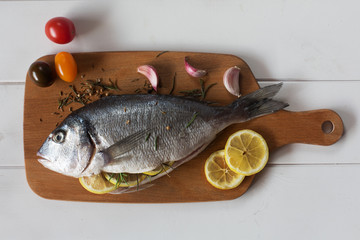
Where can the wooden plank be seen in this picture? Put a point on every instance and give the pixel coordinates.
(283, 40)
(309, 202)
(187, 182)
(11, 132)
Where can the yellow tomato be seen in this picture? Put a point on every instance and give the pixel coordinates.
(65, 66)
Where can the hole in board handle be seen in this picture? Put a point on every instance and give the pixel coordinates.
(327, 127)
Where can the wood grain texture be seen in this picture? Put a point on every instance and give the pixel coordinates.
(187, 183)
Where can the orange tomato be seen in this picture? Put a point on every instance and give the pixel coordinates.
(65, 66)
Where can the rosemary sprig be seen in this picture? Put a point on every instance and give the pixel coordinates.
(147, 137)
(122, 176)
(198, 93)
(192, 119)
(204, 91)
(173, 84)
(112, 86)
(161, 53)
(78, 97)
(192, 93)
(156, 143)
(117, 181)
(64, 102)
(111, 176)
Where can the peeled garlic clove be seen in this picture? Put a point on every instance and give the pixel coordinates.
(194, 72)
(231, 80)
(149, 72)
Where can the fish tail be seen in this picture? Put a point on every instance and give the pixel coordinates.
(259, 103)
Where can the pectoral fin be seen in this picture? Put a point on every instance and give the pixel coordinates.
(126, 144)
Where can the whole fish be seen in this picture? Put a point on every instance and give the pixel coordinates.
(138, 133)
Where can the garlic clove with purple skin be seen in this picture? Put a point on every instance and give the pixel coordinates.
(150, 72)
(192, 71)
(231, 80)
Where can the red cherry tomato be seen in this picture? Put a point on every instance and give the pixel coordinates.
(65, 66)
(60, 30)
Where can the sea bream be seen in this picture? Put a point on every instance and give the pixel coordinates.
(138, 133)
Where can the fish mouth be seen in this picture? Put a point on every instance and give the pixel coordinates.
(42, 158)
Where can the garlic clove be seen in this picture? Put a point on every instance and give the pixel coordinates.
(231, 80)
(192, 71)
(149, 72)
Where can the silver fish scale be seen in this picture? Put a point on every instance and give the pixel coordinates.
(153, 113)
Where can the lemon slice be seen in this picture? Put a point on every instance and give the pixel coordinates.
(97, 184)
(162, 168)
(219, 174)
(246, 152)
(124, 179)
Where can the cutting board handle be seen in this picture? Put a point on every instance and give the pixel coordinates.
(319, 127)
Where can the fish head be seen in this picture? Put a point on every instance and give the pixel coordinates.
(68, 149)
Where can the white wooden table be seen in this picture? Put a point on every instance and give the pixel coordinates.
(305, 192)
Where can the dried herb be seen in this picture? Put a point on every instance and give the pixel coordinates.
(156, 143)
(97, 83)
(199, 94)
(173, 84)
(194, 93)
(161, 53)
(147, 137)
(192, 119)
(78, 97)
(204, 89)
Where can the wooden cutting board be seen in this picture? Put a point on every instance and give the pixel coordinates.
(186, 183)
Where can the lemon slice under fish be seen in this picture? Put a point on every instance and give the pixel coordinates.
(219, 174)
(246, 152)
(162, 168)
(97, 184)
(124, 179)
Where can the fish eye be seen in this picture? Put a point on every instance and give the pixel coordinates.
(59, 136)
